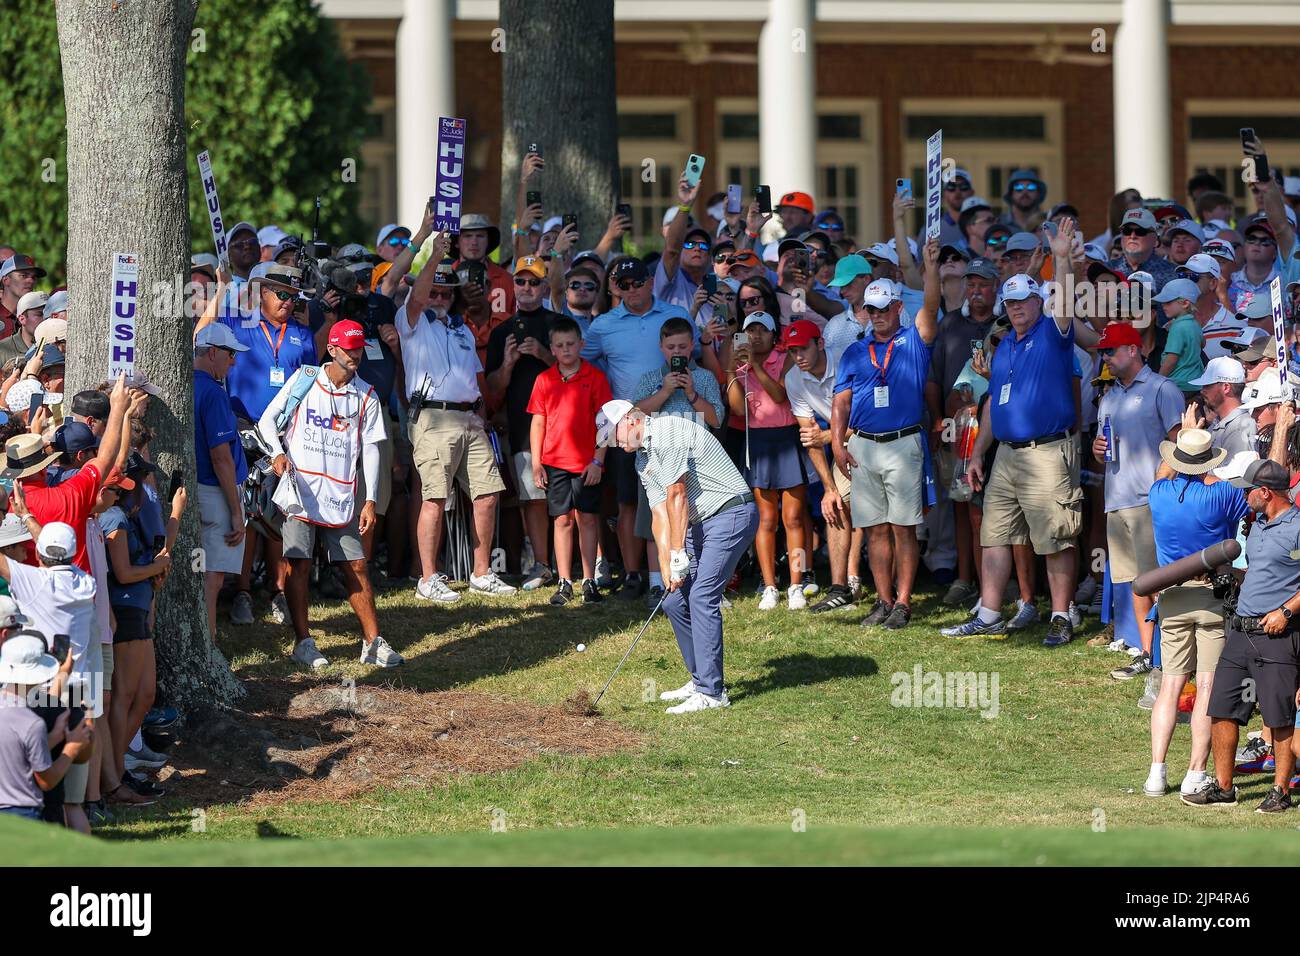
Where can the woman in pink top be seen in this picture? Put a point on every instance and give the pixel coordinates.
(763, 440)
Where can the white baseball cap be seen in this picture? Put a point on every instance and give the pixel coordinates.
(1202, 264)
(58, 302)
(270, 235)
(387, 231)
(57, 542)
(1221, 369)
(882, 250)
(12, 531)
(1018, 288)
(759, 318)
(881, 293)
(1267, 390)
(1220, 249)
(219, 334)
(10, 615)
(607, 419)
(23, 660)
(1244, 339)
(32, 300)
(1234, 469)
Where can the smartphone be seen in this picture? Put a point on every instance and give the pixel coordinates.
(764, 196)
(175, 484)
(1247, 134)
(535, 149)
(60, 649)
(625, 210)
(694, 169)
(800, 260)
(37, 401)
(677, 363)
(976, 345)
(733, 198)
(740, 340)
(532, 198)
(711, 283)
(568, 219)
(477, 273)
(903, 188)
(76, 714)
(520, 331)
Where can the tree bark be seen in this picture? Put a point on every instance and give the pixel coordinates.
(124, 89)
(559, 90)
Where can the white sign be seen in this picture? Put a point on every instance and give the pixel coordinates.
(124, 301)
(1279, 333)
(214, 205)
(933, 185)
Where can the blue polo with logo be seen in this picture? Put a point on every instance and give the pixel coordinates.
(901, 366)
(250, 382)
(1039, 369)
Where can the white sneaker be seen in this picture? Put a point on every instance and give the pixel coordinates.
(304, 652)
(794, 597)
(378, 652)
(604, 579)
(490, 584)
(1087, 588)
(770, 598)
(241, 612)
(280, 609)
(681, 693)
(1156, 785)
(539, 577)
(698, 701)
(1195, 780)
(436, 589)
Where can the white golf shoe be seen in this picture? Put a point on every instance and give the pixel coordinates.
(698, 701)
(379, 653)
(305, 652)
(771, 596)
(795, 598)
(680, 693)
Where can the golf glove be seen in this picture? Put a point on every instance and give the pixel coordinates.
(678, 565)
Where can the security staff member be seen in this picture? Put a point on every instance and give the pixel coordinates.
(704, 520)
(880, 400)
(1262, 648)
(449, 442)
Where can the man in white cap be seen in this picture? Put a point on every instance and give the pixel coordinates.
(245, 252)
(1222, 384)
(18, 274)
(27, 770)
(59, 598)
(880, 401)
(704, 520)
(268, 237)
(397, 249)
(1268, 402)
(1218, 323)
(1138, 242)
(1188, 513)
(30, 314)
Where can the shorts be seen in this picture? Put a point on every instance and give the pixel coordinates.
(384, 494)
(132, 624)
(214, 523)
(1033, 497)
(75, 781)
(453, 447)
(565, 492)
(1191, 629)
(644, 526)
(107, 651)
(620, 468)
(887, 482)
(1264, 665)
(341, 544)
(95, 671)
(1130, 543)
(525, 488)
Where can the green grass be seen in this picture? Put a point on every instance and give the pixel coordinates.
(811, 734)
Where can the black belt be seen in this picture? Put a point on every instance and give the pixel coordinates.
(737, 502)
(1255, 625)
(1045, 440)
(888, 436)
(450, 406)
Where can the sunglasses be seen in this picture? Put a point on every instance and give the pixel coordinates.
(956, 188)
(831, 227)
(534, 283)
(245, 244)
(751, 300)
(583, 286)
(951, 257)
(436, 293)
(1024, 188)
(996, 243)
(1258, 240)
(1189, 274)
(724, 258)
(1105, 353)
(872, 310)
(703, 246)
(1135, 231)
(398, 241)
(626, 285)
(282, 295)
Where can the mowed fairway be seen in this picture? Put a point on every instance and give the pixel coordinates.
(811, 739)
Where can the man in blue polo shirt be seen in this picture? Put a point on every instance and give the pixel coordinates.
(880, 398)
(219, 463)
(624, 344)
(686, 254)
(1033, 493)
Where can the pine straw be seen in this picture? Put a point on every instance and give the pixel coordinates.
(294, 740)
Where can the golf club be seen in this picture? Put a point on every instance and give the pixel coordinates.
(628, 652)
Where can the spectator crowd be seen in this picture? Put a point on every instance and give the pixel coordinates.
(1031, 419)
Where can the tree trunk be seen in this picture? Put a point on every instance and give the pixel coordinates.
(124, 89)
(558, 91)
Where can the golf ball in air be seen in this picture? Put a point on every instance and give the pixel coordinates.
(581, 648)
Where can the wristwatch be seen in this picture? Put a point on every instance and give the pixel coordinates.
(1286, 612)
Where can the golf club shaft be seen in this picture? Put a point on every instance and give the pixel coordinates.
(628, 652)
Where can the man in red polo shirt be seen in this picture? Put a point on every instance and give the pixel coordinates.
(72, 501)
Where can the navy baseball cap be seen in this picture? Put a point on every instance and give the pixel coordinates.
(74, 437)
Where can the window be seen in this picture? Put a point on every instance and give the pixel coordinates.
(847, 137)
(988, 138)
(1214, 142)
(378, 203)
(653, 143)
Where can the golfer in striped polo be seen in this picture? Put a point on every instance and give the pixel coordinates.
(704, 518)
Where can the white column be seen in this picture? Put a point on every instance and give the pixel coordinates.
(787, 99)
(425, 90)
(1140, 76)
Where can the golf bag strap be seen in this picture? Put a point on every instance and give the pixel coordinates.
(301, 386)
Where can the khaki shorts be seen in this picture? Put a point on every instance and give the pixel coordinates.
(74, 782)
(887, 483)
(107, 651)
(385, 493)
(95, 665)
(452, 447)
(1130, 543)
(525, 488)
(1191, 629)
(214, 524)
(1033, 497)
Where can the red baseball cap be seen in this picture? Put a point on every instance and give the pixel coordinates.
(1117, 334)
(348, 335)
(799, 201)
(800, 333)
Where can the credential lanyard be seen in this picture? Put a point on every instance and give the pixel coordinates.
(275, 346)
(889, 353)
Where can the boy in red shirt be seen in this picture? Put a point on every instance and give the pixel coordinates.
(566, 461)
